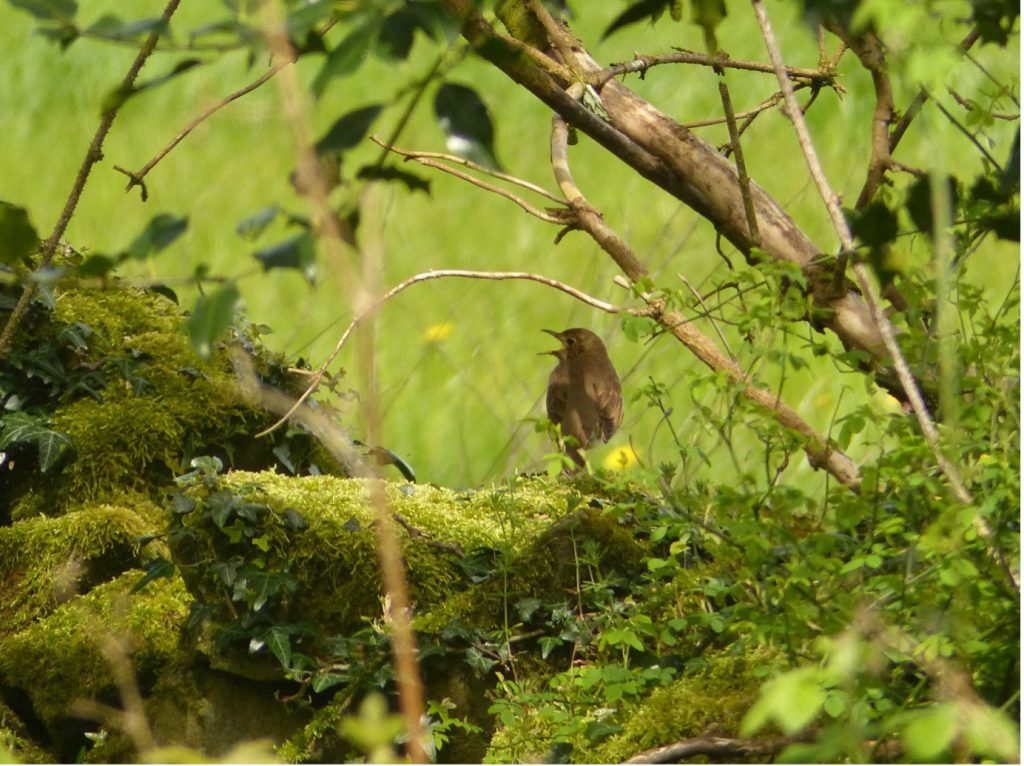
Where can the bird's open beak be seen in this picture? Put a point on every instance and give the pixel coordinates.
(557, 335)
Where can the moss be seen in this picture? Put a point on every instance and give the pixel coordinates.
(715, 698)
(58, 658)
(43, 560)
(308, 743)
(15, 741)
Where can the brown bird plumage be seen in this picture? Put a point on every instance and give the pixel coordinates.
(584, 393)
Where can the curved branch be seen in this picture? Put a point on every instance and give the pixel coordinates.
(426, 276)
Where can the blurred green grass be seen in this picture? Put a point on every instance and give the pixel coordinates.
(456, 361)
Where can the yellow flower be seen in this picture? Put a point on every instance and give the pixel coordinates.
(438, 332)
(621, 458)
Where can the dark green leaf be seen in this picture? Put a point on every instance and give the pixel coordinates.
(347, 55)
(158, 234)
(877, 225)
(48, 10)
(351, 525)
(635, 13)
(155, 569)
(254, 225)
(296, 252)
(349, 129)
(919, 203)
(293, 519)
(323, 681)
(397, 34)
(98, 265)
(412, 181)
(115, 98)
(181, 503)
(211, 318)
(18, 236)
(23, 428)
(464, 118)
(280, 644)
(112, 28)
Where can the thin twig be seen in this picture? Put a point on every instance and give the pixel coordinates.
(741, 165)
(318, 375)
(643, 63)
(906, 378)
(136, 177)
(416, 155)
(93, 155)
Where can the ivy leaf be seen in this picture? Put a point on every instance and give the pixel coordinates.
(155, 569)
(296, 252)
(349, 129)
(466, 123)
(23, 428)
(280, 645)
(211, 318)
(637, 12)
(18, 236)
(158, 234)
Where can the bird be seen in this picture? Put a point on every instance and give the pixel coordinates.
(584, 395)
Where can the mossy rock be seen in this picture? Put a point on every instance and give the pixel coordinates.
(45, 560)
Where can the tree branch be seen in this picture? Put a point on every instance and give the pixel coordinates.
(820, 453)
(93, 155)
(860, 271)
(717, 747)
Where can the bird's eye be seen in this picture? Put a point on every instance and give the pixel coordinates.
(569, 341)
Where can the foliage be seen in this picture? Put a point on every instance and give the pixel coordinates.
(719, 583)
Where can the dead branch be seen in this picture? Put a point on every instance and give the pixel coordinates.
(821, 77)
(717, 747)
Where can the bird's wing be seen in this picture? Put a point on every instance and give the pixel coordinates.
(557, 393)
(609, 406)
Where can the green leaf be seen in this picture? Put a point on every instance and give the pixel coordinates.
(296, 252)
(792, 700)
(155, 569)
(280, 644)
(48, 10)
(708, 14)
(98, 265)
(23, 428)
(348, 55)
(324, 681)
(18, 236)
(877, 225)
(919, 203)
(211, 318)
(466, 123)
(252, 226)
(411, 181)
(112, 28)
(349, 129)
(637, 12)
(158, 234)
(930, 732)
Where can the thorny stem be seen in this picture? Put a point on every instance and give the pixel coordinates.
(92, 156)
(906, 379)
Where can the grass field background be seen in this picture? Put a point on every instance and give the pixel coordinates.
(457, 361)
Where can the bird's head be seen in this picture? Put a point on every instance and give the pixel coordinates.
(575, 341)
